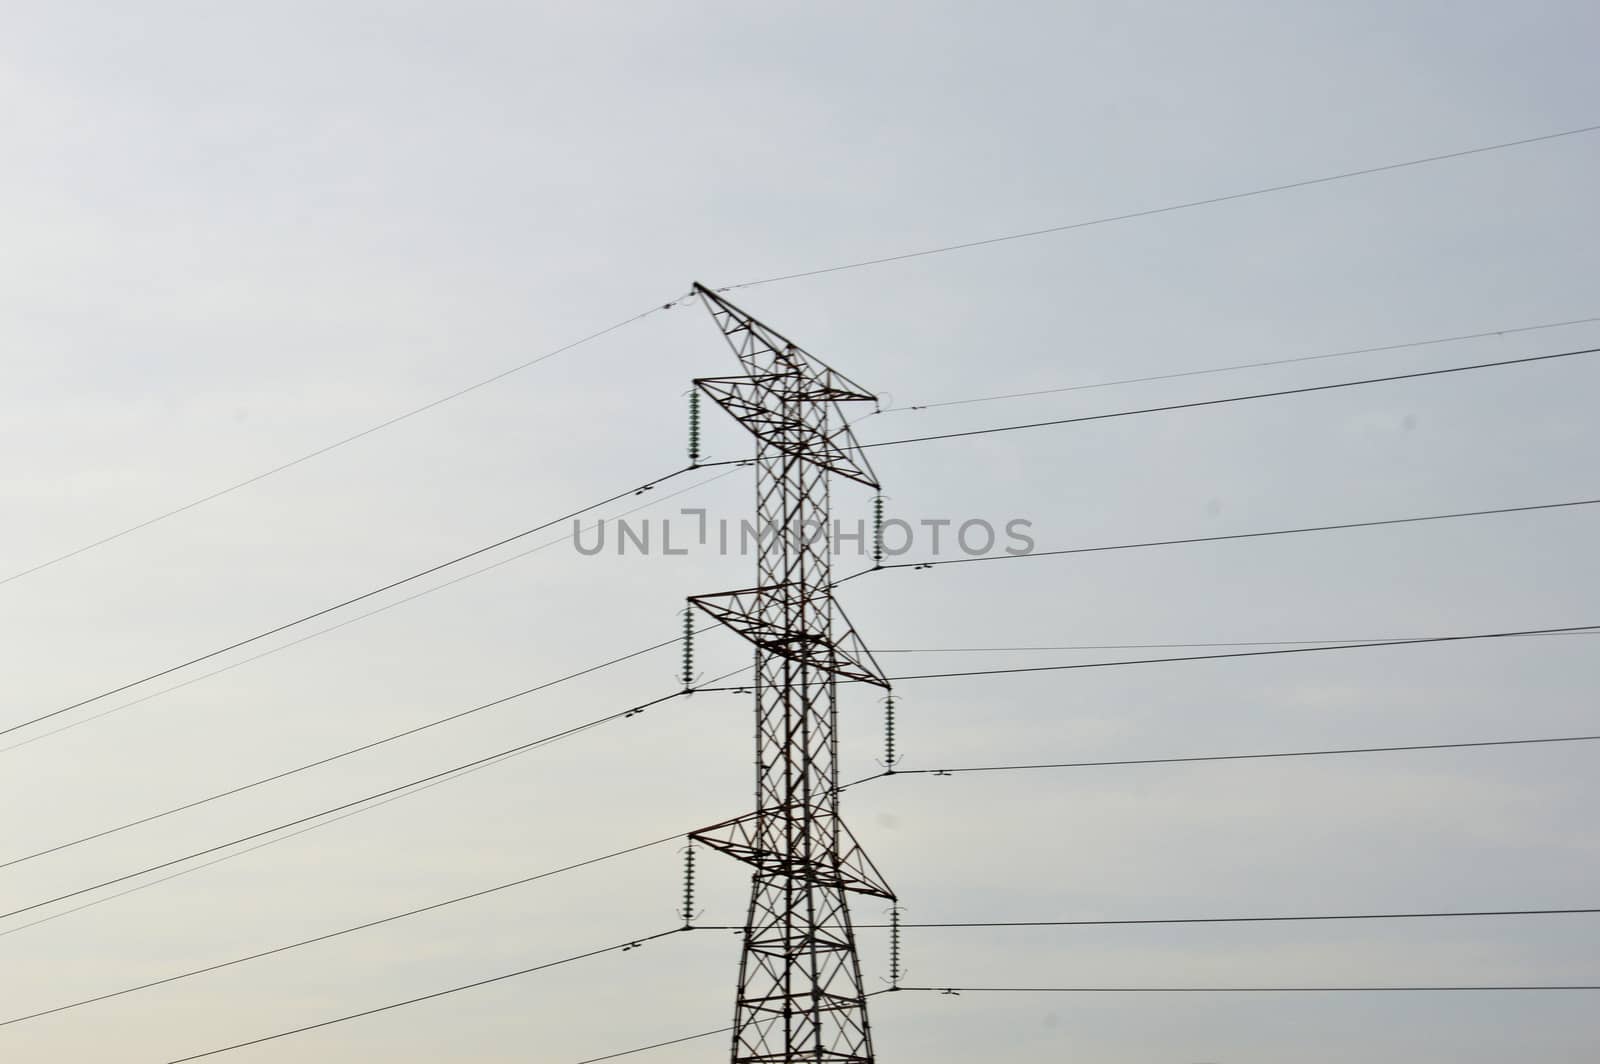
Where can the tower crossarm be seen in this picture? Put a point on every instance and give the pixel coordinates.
(758, 616)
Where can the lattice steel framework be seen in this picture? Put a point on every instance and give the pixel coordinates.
(800, 996)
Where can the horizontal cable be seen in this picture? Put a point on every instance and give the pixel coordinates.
(1234, 989)
(646, 486)
(657, 1045)
(404, 791)
(882, 775)
(1244, 653)
(620, 947)
(688, 1037)
(1169, 208)
(525, 880)
(335, 445)
(1157, 921)
(318, 763)
(1235, 398)
(770, 280)
(1244, 757)
(1240, 919)
(1189, 540)
(347, 622)
(235, 854)
(499, 755)
(1318, 649)
(1160, 646)
(1245, 365)
(703, 927)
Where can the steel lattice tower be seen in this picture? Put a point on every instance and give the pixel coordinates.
(800, 995)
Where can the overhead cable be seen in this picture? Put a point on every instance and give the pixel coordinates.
(341, 932)
(336, 444)
(324, 611)
(1199, 403)
(1249, 653)
(1224, 537)
(1414, 747)
(1237, 366)
(1503, 988)
(497, 756)
(619, 947)
(329, 759)
(347, 622)
(1170, 208)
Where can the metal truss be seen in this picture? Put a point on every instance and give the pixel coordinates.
(800, 995)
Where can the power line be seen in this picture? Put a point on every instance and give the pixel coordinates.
(655, 842)
(948, 924)
(1239, 919)
(1247, 653)
(958, 990)
(646, 486)
(404, 792)
(499, 755)
(1169, 208)
(414, 596)
(1420, 640)
(771, 280)
(1159, 646)
(955, 991)
(685, 1038)
(1236, 398)
(344, 931)
(657, 1045)
(1241, 757)
(962, 924)
(1229, 989)
(336, 444)
(286, 773)
(1340, 527)
(1242, 366)
(656, 309)
(274, 841)
(620, 947)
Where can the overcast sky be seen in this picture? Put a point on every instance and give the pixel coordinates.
(233, 234)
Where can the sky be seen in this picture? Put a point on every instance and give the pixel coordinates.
(234, 234)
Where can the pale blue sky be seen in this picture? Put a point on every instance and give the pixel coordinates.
(234, 233)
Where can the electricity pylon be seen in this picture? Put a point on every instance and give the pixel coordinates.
(800, 996)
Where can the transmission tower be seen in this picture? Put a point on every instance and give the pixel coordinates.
(800, 996)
